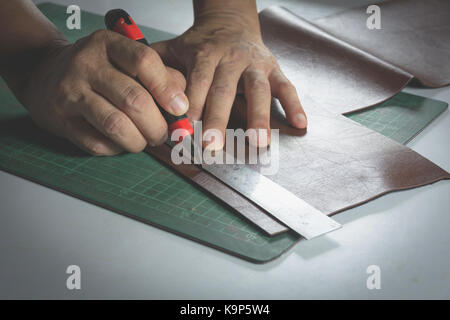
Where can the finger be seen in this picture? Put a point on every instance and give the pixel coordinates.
(130, 97)
(112, 122)
(200, 78)
(283, 90)
(87, 138)
(163, 49)
(258, 96)
(141, 61)
(219, 101)
(178, 77)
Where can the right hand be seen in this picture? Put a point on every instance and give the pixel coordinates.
(88, 93)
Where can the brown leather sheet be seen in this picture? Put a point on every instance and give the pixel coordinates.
(414, 36)
(337, 163)
(328, 72)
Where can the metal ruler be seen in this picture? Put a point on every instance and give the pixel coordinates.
(277, 201)
(280, 203)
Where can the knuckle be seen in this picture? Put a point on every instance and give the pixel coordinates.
(146, 57)
(215, 120)
(161, 87)
(204, 51)
(158, 136)
(115, 124)
(95, 148)
(62, 90)
(222, 91)
(200, 78)
(258, 84)
(75, 98)
(84, 61)
(89, 49)
(138, 146)
(81, 59)
(99, 35)
(134, 99)
(236, 55)
(286, 87)
(67, 94)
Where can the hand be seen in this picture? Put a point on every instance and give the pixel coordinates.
(88, 93)
(217, 53)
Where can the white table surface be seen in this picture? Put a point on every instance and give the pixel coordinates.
(405, 233)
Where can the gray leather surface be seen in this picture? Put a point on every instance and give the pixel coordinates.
(414, 36)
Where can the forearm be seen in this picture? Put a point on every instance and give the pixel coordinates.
(26, 35)
(245, 10)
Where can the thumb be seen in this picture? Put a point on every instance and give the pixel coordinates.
(178, 77)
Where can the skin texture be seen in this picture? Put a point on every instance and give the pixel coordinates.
(87, 92)
(223, 54)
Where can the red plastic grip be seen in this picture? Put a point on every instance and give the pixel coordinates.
(130, 31)
(120, 21)
(182, 124)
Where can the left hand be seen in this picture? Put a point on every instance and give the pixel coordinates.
(219, 52)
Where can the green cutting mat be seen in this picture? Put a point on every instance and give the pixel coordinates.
(400, 118)
(140, 187)
(133, 184)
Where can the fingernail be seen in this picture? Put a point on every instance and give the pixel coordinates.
(301, 121)
(212, 140)
(179, 105)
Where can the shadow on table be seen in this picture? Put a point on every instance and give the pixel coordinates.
(21, 130)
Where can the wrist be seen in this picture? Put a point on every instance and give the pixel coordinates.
(238, 13)
(22, 75)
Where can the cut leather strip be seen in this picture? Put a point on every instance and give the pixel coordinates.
(414, 36)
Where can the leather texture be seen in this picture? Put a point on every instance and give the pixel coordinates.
(327, 72)
(414, 36)
(337, 163)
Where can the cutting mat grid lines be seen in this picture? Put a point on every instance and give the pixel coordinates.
(190, 207)
(400, 118)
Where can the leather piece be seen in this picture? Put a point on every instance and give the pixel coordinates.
(327, 71)
(414, 36)
(337, 163)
